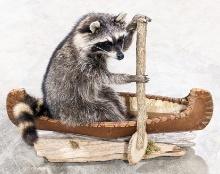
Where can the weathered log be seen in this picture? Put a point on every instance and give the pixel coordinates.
(181, 139)
(59, 147)
(80, 150)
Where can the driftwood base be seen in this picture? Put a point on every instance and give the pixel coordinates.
(76, 149)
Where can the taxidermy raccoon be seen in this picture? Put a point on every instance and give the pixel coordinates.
(76, 83)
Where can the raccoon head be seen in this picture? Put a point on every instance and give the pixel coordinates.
(101, 34)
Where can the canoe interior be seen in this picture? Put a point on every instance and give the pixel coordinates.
(154, 105)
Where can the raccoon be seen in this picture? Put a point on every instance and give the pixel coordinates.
(76, 83)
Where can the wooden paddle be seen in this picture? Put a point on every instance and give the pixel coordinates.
(138, 142)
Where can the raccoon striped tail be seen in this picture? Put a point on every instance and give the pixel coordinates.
(25, 113)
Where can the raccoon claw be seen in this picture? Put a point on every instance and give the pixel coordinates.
(146, 79)
(143, 79)
(133, 24)
(131, 27)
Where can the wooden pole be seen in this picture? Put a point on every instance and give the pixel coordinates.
(140, 87)
(138, 142)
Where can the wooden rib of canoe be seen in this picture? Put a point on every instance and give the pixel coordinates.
(165, 114)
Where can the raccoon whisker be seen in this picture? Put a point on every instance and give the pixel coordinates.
(87, 46)
(81, 50)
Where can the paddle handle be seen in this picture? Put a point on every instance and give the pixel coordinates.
(140, 87)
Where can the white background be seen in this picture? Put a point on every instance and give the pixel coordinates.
(182, 52)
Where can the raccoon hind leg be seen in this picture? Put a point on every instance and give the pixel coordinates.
(110, 95)
(106, 110)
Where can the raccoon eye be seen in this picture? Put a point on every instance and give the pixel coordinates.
(107, 45)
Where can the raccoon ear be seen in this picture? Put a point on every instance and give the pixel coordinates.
(120, 18)
(94, 26)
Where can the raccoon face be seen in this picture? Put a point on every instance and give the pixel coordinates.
(101, 34)
(111, 47)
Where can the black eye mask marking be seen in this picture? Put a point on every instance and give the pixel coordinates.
(120, 40)
(106, 46)
(109, 46)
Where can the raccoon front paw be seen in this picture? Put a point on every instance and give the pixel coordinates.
(142, 78)
(132, 26)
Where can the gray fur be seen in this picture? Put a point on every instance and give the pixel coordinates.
(76, 83)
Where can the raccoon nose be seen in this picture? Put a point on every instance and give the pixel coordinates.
(120, 56)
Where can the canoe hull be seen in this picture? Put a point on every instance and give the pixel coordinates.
(196, 116)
